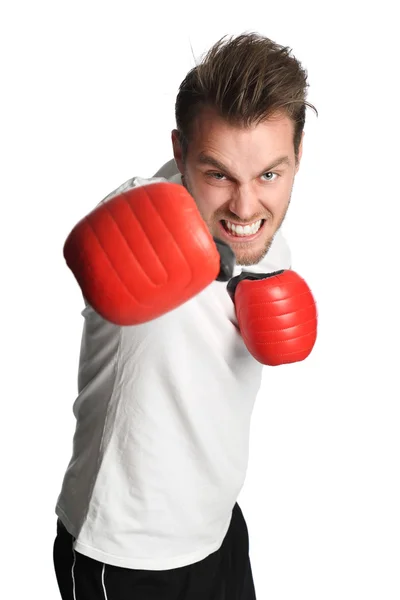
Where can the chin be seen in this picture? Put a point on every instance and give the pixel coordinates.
(251, 256)
(245, 259)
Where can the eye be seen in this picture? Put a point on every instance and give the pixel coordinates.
(270, 173)
(215, 175)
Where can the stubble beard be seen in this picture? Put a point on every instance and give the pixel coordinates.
(247, 258)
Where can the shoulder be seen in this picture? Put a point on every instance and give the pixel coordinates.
(132, 183)
(168, 172)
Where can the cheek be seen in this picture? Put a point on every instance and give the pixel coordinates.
(276, 200)
(209, 204)
(210, 199)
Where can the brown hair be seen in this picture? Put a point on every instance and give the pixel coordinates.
(246, 79)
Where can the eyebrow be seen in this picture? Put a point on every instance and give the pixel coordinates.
(205, 159)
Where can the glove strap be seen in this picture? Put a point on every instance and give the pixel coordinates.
(234, 282)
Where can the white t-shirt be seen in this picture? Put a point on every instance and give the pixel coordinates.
(163, 415)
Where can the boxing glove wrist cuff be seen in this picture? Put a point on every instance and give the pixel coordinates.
(234, 282)
(227, 260)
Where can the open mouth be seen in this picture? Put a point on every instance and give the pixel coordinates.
(242, 231)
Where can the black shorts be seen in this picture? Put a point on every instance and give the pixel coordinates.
(223, 575)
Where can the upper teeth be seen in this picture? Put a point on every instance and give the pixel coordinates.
(246, 230)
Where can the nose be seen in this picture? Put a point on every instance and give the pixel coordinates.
(244, 202)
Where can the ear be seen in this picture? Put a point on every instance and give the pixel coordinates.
(300, 153)
(177, 149)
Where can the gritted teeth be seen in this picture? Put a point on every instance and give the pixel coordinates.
(241, 230)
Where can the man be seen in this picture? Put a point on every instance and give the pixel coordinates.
(148, 508)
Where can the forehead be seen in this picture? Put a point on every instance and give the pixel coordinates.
(209, 130)
(241, 148)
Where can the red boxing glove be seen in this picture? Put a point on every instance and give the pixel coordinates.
(277, 315)
(144, 253)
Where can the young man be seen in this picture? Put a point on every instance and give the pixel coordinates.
(148, 508)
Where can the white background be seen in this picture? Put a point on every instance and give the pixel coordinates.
(88, 93)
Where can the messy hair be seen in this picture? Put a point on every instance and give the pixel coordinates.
(246, 79)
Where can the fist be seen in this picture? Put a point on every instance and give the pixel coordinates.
(144, 253)
(277, 315)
